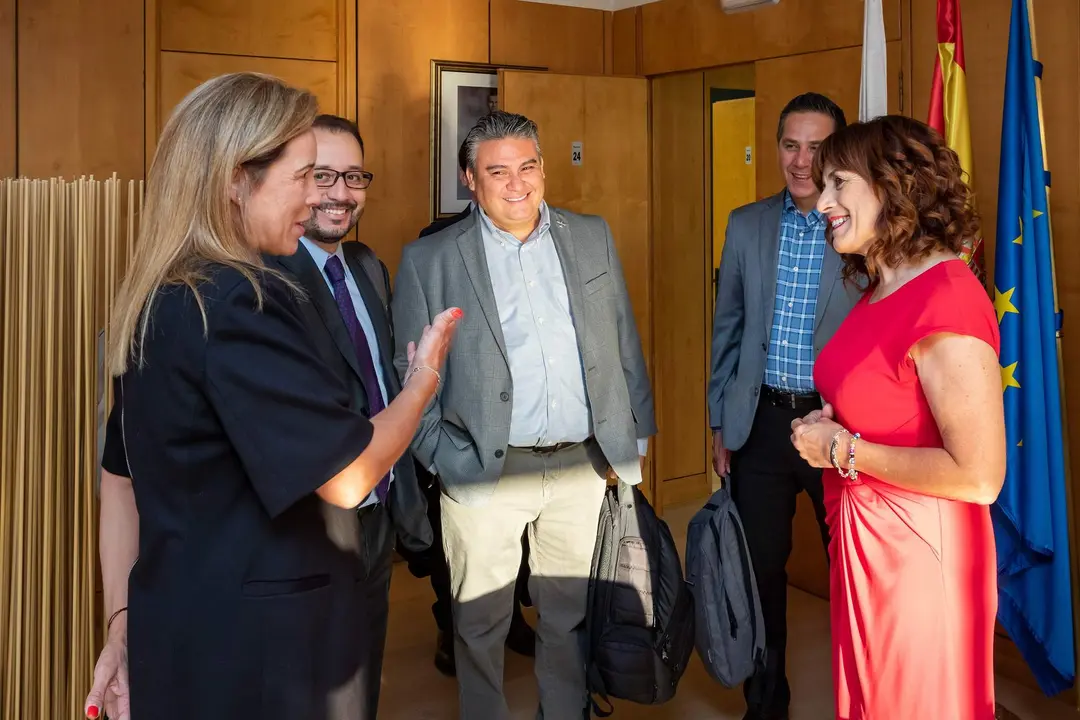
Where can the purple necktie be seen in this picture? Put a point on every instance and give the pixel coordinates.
(336, 272)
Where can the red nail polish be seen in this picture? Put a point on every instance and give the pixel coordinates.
(457, 313)
(92, 712)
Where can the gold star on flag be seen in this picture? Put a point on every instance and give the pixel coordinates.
(1003, 303)
(1020, 444)
(1037, 213)
(1008, 377)
(1020, 239)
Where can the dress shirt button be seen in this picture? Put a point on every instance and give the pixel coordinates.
(504, 396)
(498, 453)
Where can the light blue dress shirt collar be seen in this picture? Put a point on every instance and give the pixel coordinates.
(541, 227)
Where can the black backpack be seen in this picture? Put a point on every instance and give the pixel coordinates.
(640, 616)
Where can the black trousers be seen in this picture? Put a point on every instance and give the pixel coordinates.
(378, 559)
(767, 476)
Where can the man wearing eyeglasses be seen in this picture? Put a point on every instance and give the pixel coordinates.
(348, 317)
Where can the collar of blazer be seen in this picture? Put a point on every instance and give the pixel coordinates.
(770, 213)
(578, 266)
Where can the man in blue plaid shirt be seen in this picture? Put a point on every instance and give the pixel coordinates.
(780, 297)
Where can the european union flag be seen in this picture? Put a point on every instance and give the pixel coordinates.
(1030, 520)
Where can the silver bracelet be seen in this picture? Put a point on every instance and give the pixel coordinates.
(418, 368)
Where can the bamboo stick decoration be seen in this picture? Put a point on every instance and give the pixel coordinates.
(64, 248)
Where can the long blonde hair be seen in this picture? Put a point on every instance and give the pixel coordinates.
(235, 122)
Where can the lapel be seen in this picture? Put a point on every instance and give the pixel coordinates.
(470, 243)
(374, 307)
(769, 247)
(576, 270)
(303, 267)
(831, 264)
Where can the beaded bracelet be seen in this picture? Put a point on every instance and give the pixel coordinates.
(851, 473)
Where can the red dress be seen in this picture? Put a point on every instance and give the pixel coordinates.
(913, 577)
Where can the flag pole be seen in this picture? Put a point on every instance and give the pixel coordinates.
(1069, 499)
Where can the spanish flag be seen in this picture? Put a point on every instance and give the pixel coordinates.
(949, 105)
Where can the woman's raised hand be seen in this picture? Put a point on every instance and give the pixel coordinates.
(434, 343)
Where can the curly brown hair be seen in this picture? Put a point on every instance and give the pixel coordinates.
(925, 204)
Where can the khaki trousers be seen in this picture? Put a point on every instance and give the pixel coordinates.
(555, 496)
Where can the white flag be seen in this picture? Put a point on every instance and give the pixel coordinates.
(873, 91)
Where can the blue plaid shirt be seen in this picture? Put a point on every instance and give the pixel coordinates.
(789, 364)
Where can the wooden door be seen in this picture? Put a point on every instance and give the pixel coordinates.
(594, 134)
(734, 182)
(835, 73)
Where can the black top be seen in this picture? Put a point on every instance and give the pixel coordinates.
(242, 602)
(443, 223)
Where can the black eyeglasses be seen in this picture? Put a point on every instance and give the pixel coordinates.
(355, 179)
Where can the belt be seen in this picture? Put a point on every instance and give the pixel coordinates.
(803, 402)
(548, 449)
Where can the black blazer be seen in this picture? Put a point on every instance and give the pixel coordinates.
(243, 601)
(446, 222)
(406, 503)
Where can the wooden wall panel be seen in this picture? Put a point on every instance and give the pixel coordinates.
(8, 138)
(835, 73)
(299, 29)
(690, 34)
(560, 38)
(396, 44)
(80, 88)
(625, 33)
(180, 73)
(680, 290)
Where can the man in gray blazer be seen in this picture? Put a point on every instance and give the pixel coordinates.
(780, 297)
(543, 396)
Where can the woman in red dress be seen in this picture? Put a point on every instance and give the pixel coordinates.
(912, 435)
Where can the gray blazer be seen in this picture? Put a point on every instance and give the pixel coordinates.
(742, 321)
(465, 431)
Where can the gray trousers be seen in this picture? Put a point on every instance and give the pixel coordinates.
(556, 497)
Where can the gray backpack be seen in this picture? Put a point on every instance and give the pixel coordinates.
(729, 629)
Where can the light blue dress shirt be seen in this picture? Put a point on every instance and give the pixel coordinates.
(550, 403)
(320, 257)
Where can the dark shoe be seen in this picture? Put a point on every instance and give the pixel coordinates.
(521, 638)
(444, 655)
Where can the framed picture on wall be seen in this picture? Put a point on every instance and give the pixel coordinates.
(461, 93)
